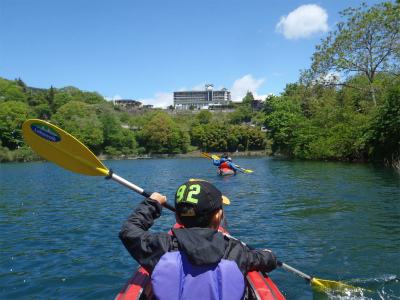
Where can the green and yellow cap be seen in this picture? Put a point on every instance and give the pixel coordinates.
(202, 195)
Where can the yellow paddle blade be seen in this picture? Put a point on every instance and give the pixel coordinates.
(205, 154)
(61, 148)
(321, 285)
(245, 171)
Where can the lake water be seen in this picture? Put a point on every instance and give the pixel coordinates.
(335, 221)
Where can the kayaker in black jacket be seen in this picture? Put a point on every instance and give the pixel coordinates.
(198, 261)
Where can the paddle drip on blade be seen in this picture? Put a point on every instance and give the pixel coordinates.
(324, 286)
(321, 285)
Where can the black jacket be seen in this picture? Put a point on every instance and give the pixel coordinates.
(202, 246)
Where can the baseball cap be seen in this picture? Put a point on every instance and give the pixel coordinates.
(202, 195)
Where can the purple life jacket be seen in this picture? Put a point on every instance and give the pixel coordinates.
(175, 278)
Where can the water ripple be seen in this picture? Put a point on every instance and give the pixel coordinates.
(337, 221)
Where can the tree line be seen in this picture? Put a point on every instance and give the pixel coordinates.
(347, 104)
(114, 131)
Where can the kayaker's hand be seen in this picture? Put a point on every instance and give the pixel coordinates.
(158, 197)
(272, 261)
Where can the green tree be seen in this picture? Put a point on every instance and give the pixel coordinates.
(22, 85)
(183, 123)
(68, 112)
(112, 131)
(42, 111)
(39, 98)
(50, 96)
(3, 86)
(110, 151)
(258, 117)
(124, 117)
(367, 43)
(12, 115)
(282, 122)
(185, 142)
(204, 117)
(78, 119)
(129, 140)
(233, 142)
(240, 115)
(136, 121)
(75, 93)
(14, 93)
(384, 138)
(70, 89)
(248, 98)
(162, 135)
(93, 98)
(60, 99)
(290, 90)
(198, 134)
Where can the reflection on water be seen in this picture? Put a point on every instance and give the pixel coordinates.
(336, 221)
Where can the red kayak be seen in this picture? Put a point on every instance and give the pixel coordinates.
(260, 286)
(226, 171)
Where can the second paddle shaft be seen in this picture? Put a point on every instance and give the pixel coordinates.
(294, 271)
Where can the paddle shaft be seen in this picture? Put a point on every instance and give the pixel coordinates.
(280, 264)
(135, 188)
(294, 271)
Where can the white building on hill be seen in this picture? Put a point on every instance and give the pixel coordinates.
(202, 99)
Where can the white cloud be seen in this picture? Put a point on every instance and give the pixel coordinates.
(160, 99)
(303, 22)
(116, 97)
(200, 87)
(246, 84)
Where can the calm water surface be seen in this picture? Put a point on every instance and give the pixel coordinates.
(335, 221)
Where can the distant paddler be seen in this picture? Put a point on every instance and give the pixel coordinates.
(225, 165)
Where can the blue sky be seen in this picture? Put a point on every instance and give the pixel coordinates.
(147, 49)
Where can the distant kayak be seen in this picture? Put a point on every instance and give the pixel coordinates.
(226, 171)
(258, 286)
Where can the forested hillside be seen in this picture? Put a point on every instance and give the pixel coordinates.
(346, 106)
(114, 131)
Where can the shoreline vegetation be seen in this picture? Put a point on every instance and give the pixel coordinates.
(344, 107)
(189, 155)
(33, 157)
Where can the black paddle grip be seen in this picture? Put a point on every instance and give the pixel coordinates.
(169, 206)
